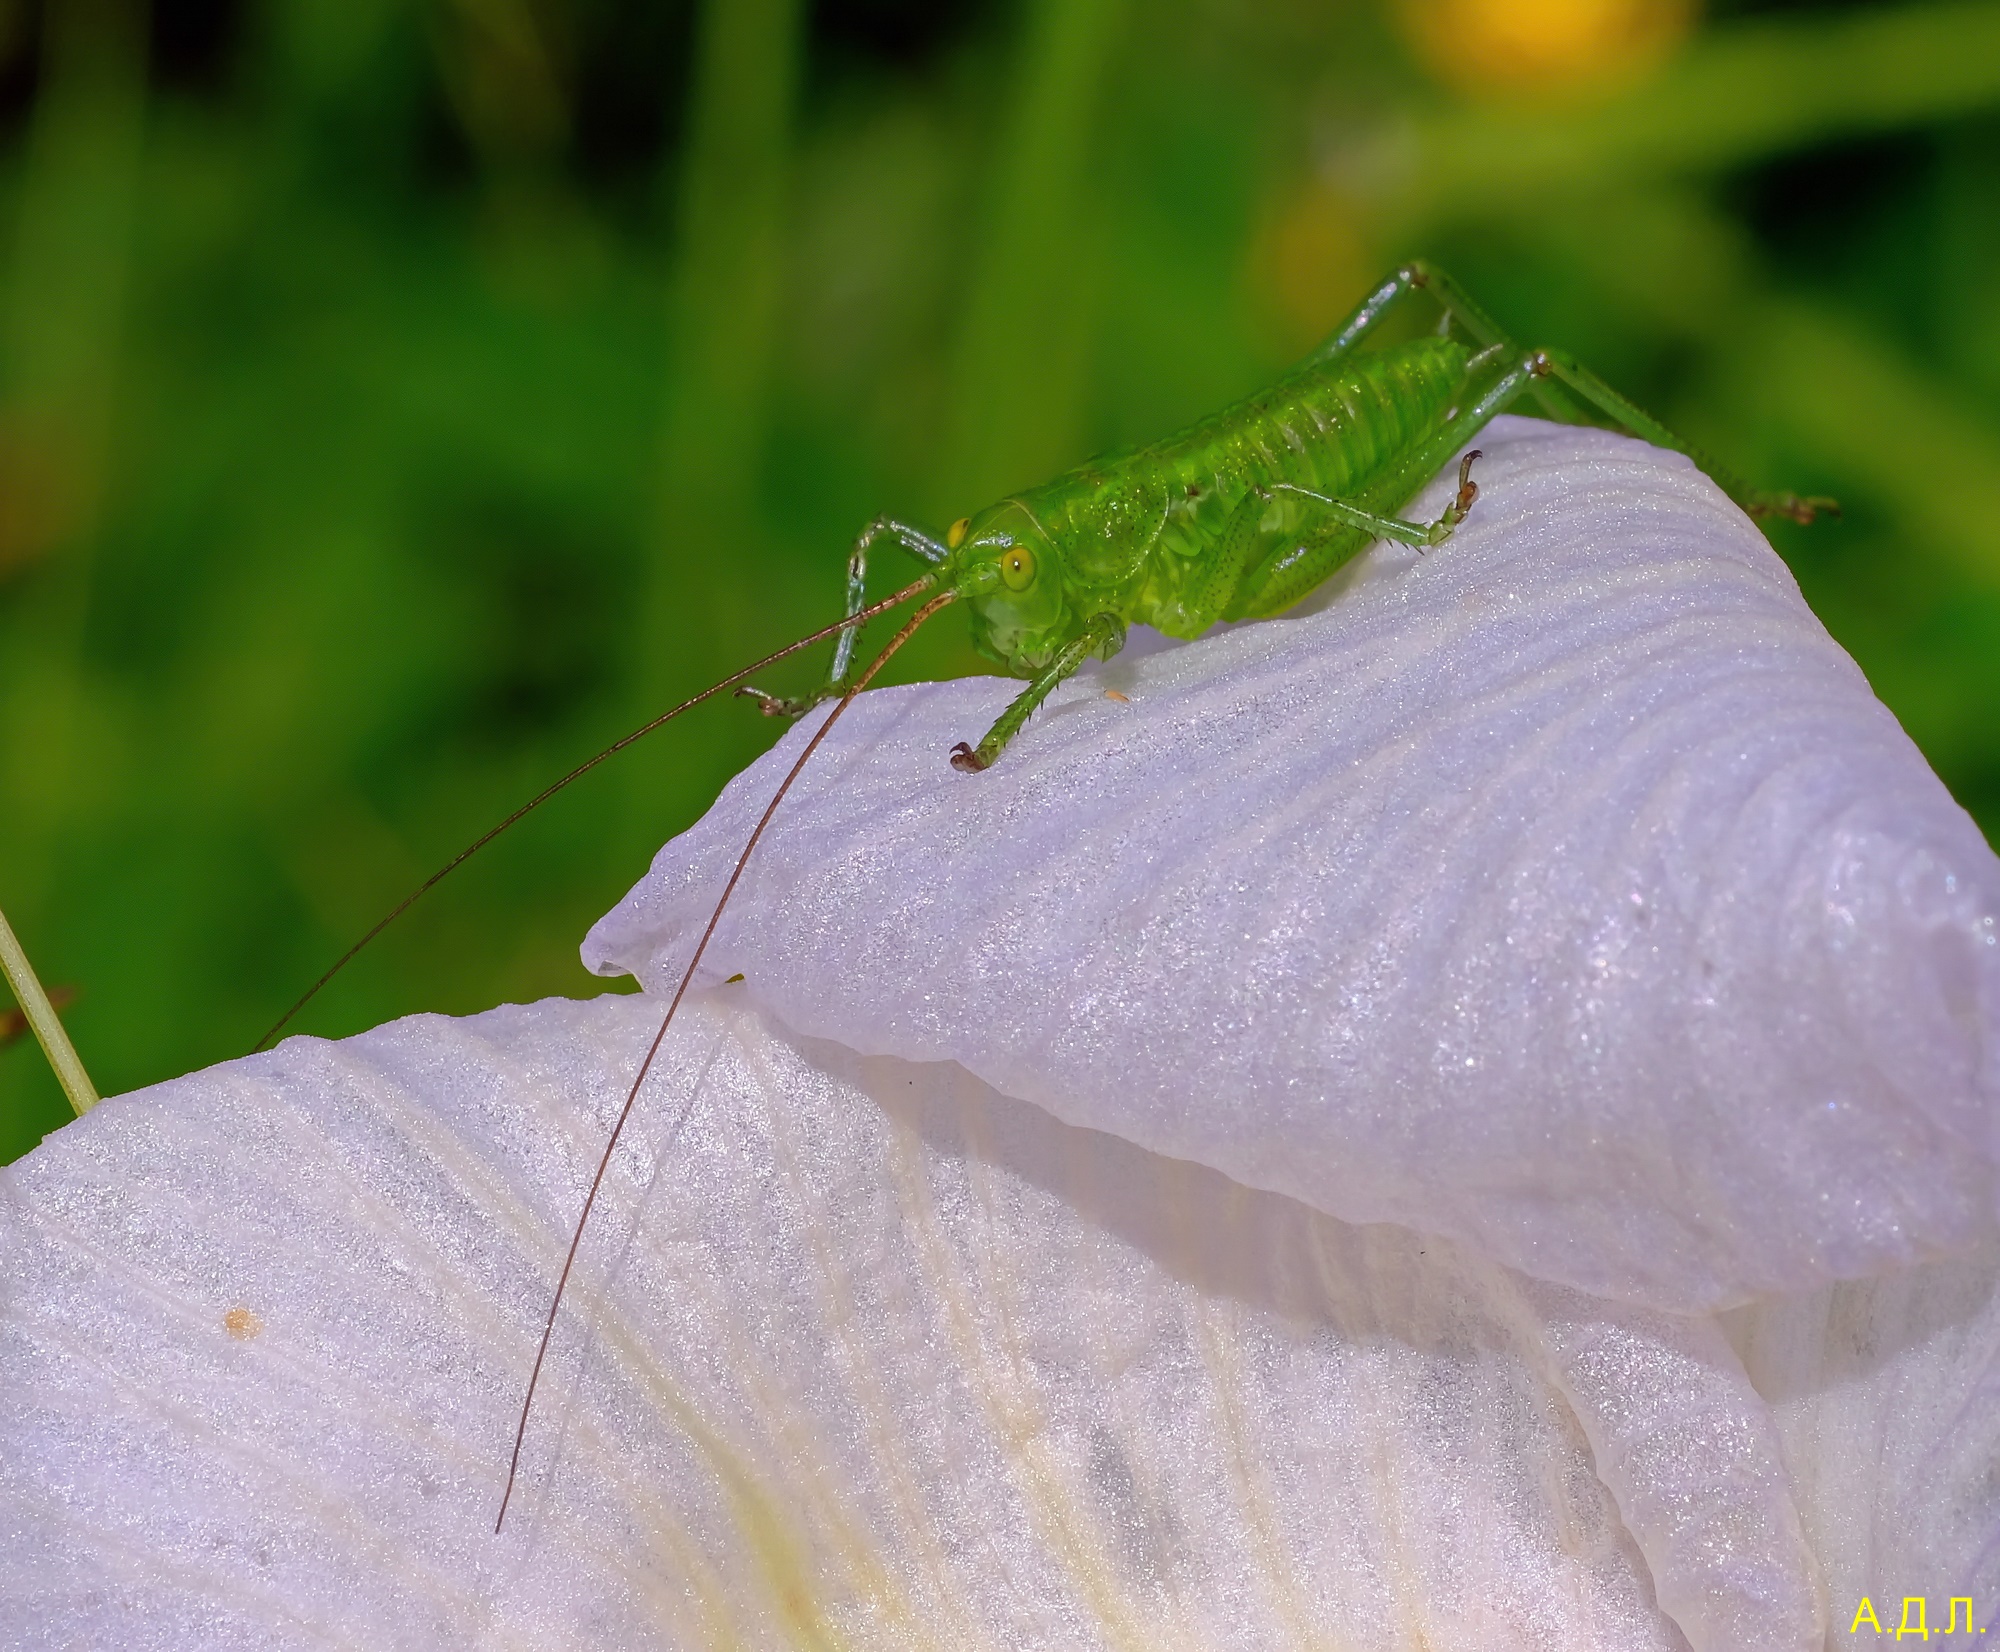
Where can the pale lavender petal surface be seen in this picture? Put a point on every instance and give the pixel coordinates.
(1692, 1457)
(865, 1354)
(1886, 1397)
(1564, 891)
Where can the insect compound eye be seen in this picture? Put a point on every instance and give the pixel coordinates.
(955, 534)
(1017, 567)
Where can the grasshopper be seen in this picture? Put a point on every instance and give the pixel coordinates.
(1245, 513)
(1238, 517)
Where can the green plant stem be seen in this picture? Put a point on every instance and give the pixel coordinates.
(48, 1026)
(726, 311)
(1021, 363)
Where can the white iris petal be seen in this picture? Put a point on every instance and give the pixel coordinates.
(1541, 895)
(882, 1359)
(1567, 893)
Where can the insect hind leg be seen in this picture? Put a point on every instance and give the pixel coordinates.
(1630, 417)
(1287, 582)
(1414, 277)
(1417, 276)
(1528, 370)
(1459, 307)
(1368, 315)
(1569, 391)
(913, 540)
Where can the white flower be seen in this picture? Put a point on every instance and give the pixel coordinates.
(993, 1265)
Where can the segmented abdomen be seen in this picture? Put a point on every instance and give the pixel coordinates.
(1330, 429)
(1131, 525)
(1135, 533)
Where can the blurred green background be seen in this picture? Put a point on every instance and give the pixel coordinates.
(400, 398)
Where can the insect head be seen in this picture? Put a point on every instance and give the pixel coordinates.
(1007, 567)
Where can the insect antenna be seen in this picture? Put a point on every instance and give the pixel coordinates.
(849, 623)
(632, 1095)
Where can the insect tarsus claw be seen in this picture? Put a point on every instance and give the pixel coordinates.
(1468, 490)
(965, 759)
(1455, 512)
(774, 705)
(1793, 508)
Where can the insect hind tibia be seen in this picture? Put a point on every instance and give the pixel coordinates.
(847, 698)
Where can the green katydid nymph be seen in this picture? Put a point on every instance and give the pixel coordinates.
(1239, 517)
(1244, 514)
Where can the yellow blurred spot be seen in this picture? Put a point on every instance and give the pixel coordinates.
(1113, 694)
(1544, 46)
(1311, 265)
(242, 1324)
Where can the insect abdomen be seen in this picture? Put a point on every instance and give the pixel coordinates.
(1136, 530)
(1329, 429)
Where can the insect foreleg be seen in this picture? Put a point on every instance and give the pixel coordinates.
(1104, 635)
(914, 540)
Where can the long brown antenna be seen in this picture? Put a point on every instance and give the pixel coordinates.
(666, 1021)
(577, 773)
